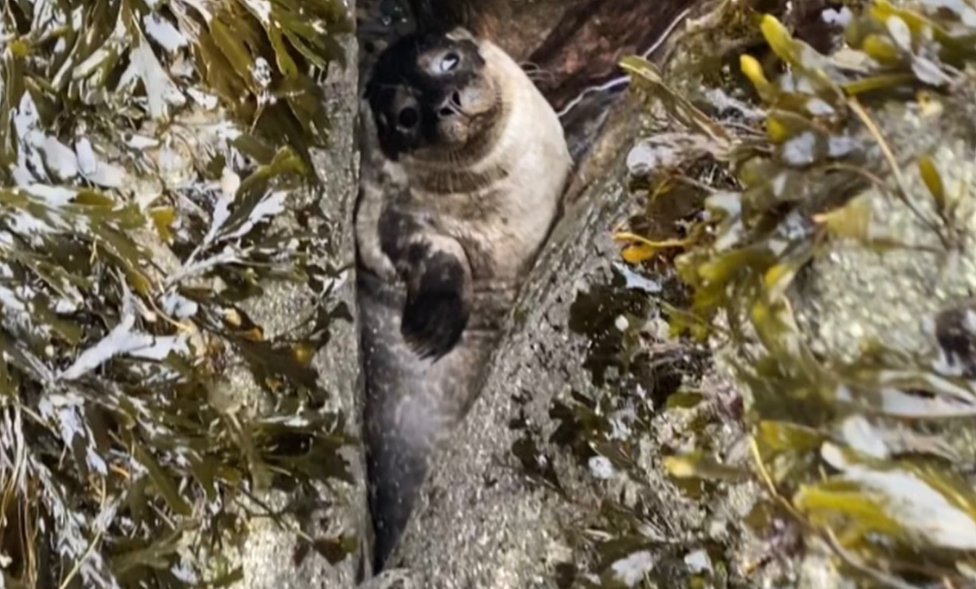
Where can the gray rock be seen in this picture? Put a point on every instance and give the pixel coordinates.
(268, 553)
(393, 579)
(855, 294)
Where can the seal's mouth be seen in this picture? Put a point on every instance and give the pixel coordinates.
(454, 131)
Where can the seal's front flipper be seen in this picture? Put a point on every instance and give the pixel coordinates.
(438, 279)
(437, 307)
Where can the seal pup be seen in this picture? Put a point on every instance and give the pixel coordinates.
(457, 197)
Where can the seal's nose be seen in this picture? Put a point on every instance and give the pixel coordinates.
(451, 106)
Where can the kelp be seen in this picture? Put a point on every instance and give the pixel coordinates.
(855, 453)
(147, 152)
(107, 65)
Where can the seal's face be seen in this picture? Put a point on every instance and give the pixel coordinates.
(431, 92)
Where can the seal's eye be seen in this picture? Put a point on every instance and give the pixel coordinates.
(449, 62)
(407, 118)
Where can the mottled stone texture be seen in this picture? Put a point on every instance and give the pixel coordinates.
(268, 555)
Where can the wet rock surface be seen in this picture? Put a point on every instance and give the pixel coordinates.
(394, 579)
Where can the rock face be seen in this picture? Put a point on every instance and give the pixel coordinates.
(340, 510)
(901, 286)
(914, 302)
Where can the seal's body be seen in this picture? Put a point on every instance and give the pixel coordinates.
(453, 209)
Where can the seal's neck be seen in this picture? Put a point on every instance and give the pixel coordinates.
(470, 180)
(471, 168)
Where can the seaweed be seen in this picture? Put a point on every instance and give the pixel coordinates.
(147, 151)
(855, 452)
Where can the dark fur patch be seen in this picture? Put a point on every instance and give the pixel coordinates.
(398, 80)
(396, 230)
(436, 310)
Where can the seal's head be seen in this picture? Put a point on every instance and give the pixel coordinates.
(432, 92)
